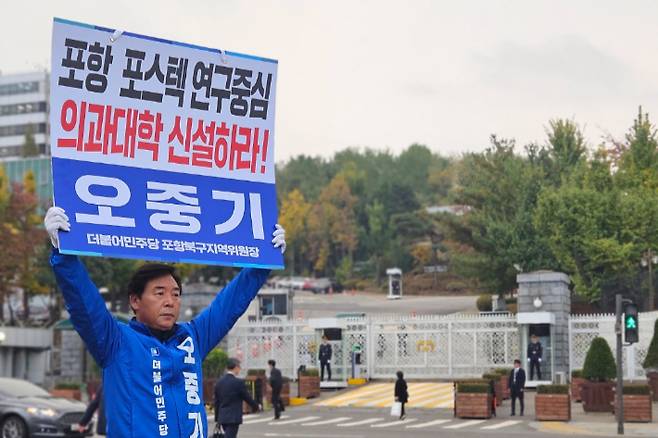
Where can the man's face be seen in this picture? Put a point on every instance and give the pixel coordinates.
(236, 370)
(517, 365)
(159, 305)
(324, 341)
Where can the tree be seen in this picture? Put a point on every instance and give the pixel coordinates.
(23, 206)
(8, 238)
(30, 148)
(639, 160)
(566, 147)
(599, 362)
(332, 225)
(294, 213)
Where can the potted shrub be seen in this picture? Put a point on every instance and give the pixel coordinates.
(213, 366)
(577, 381)
(637, 403)
(650, 363)
(597, 391)
(496, 386)
(309, 383)
(504, 374)
(473, 399)
(257, 382)
(553, 403)
(70, 390)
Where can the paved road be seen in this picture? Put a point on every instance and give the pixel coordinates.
(307, 304)
(317, 422)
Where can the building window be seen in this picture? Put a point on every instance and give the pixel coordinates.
(37, 128)
(22, 108)
(19, 88)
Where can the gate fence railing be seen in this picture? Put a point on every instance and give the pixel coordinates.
(424, 346)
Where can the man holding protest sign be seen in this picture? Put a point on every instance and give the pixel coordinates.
(161, 150)
(152, 366)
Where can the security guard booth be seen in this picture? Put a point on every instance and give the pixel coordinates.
(333, 328)
(394, 283)
(544, 306)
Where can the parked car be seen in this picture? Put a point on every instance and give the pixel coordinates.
(28, 411)
(322, 285)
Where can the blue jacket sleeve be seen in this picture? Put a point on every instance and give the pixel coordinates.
(91, 319)
(217, 319)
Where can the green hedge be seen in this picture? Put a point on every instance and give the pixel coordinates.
(637, 389)
(491, 376)
(214, 363)
(553, 389)
(578, 374)
(310, 372)
(599, 363)
(651, 361)
(473, 388)
(483, 303)
(68, 385)
(503, 371)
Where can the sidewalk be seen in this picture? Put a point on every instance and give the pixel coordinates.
(591, 424)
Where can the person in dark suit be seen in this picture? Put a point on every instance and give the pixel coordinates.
(535, 352)
(276, 383)
(401, 393)
(325, 358)
(95, 404)
(516, 385)
(230, 392)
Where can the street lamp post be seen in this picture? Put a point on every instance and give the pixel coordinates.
(650, 258)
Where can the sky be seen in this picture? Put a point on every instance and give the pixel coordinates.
(387, 74)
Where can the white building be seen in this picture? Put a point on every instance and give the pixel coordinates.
(24, 105)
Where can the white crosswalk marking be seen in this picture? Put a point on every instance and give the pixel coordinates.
(501, 425)
(428, 424)
(293, 421)
(395, 423)
(360, 422)
(332, 421)
(262, 420)
(464, 424)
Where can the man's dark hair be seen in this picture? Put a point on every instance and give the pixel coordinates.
(517, 361)
(149, 272)
(271, 362)
(400, 375)
(232, 363)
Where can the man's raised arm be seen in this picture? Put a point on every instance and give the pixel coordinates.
(89, 316)
(231, 302)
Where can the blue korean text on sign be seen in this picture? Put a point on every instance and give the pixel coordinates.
(162, 150)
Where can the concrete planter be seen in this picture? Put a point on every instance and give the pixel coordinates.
(504, 384)
(498, 388)
(473, 405)
(553, 407)
(576, 386)
(597, 396)
(285, 393)
(309, 386)
(209, 391)
(652, 377)
(637, 408)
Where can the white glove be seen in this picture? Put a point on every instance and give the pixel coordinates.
(54, 221)
(279, 239)
(540, 360)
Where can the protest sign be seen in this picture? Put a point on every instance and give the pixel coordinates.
(162, 150)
